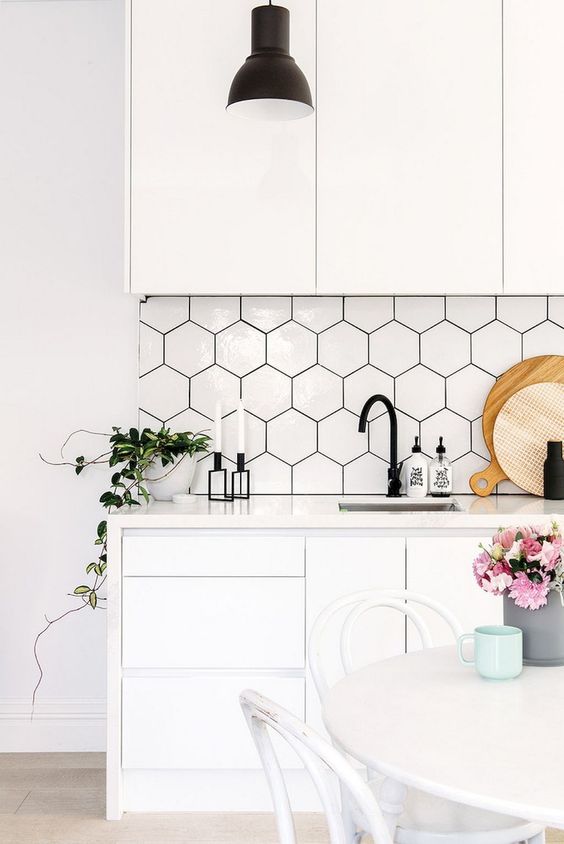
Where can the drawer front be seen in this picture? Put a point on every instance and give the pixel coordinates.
(196, 722)
(214, 556)
(213, 622)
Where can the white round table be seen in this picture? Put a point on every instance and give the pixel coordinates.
(426, 721)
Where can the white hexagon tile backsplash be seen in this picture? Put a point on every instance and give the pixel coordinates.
(305, 365)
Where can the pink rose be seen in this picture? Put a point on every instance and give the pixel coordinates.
(551, 554)
(531, 549)
(526, 531)
(481, 565)
(502, 568)
(505, 538)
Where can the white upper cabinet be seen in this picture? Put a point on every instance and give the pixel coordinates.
(534, 145)
(409, 146)
(218, 204)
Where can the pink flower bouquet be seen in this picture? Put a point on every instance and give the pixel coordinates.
(525, 563)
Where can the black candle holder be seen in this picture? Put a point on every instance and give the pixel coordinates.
(217, 481)
(241, 479)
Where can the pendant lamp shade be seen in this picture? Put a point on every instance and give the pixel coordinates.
(270, 85)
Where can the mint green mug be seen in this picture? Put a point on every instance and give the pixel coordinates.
(498, 651)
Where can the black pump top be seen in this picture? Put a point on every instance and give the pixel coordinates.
(440, 448)
(416, 448)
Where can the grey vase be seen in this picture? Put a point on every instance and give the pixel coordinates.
(543, 630)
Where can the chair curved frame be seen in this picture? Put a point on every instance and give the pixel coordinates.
(319, 757)
(361, 602)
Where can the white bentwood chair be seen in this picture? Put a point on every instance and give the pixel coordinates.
(425, 819)
(320, 759)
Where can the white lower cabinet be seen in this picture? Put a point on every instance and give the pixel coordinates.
(200, 723)
(441, 567)
(213, 622)
(336, 567)
(195, 617)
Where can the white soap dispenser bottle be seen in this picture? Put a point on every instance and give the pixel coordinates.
(440, 473)
(416, 473)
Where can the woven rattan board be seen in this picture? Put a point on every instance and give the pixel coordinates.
(522, 428)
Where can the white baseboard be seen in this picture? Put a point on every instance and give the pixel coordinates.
(57, 725)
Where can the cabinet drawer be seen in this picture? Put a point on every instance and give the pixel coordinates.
(213, 622)
(214, 556)
(196, 722)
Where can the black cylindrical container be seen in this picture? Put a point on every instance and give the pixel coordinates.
(554, 471)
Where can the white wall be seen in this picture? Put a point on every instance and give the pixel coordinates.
(67, 347)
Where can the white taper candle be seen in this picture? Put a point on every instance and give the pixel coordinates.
(241, 428)
(217, 431)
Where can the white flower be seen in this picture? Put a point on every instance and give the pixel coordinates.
(497, 582)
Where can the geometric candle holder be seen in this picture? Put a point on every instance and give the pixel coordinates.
(217, 481)
(240, 479)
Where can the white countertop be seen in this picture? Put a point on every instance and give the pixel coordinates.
(318, 512)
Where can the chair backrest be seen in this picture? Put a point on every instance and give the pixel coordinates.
(319, 759)
(403, 600)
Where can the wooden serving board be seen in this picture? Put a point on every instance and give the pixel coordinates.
(537, 370)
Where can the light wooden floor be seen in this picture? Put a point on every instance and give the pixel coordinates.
(58, 798)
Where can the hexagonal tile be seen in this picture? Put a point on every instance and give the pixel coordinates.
(339, 437)
(468, 390)
(420, 312)
(445, 348)
(267, 392)
(408, 429)
(479, 446)
(200, 482)
(470, 312)
(215, 312)
(369, 312)
(394, 348)
(270, 476)
(240, 348)
(212, 385)
(146, 420)
(522, 312)
(420, 392)
(453, 428)
(165, 312)
(556, 309)
(190, 420)
(163, 392)
(266, 312)
(367, 475)
(291, 348)
(151, 349)
(462, 471)
(343, 348)
(292, 436)
(545, 339)
(317, 312)
(317, 392)
(496, 347)
(189, 349)
(365, 383)
(317, 475)
(255, 436)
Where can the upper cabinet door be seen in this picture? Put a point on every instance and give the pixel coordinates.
(534, 146)
(409, 146)
(219, 204)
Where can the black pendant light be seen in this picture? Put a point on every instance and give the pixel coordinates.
(270, 85)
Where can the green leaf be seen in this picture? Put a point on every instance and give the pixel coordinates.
(78, 469)
(93, 600)
(81, 590)
(89, 567)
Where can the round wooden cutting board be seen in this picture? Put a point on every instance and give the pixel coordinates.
(523, 426)
(538, 370)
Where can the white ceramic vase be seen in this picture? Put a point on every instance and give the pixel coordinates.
(178, 478)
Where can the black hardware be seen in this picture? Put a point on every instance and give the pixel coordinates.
(241, 479)
(217, 481)
(394, 481)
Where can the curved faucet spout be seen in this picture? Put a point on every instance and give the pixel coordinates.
(394, 483)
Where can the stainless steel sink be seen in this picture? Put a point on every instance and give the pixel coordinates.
(401, 505)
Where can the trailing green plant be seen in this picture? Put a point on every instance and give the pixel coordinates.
(129, 455)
